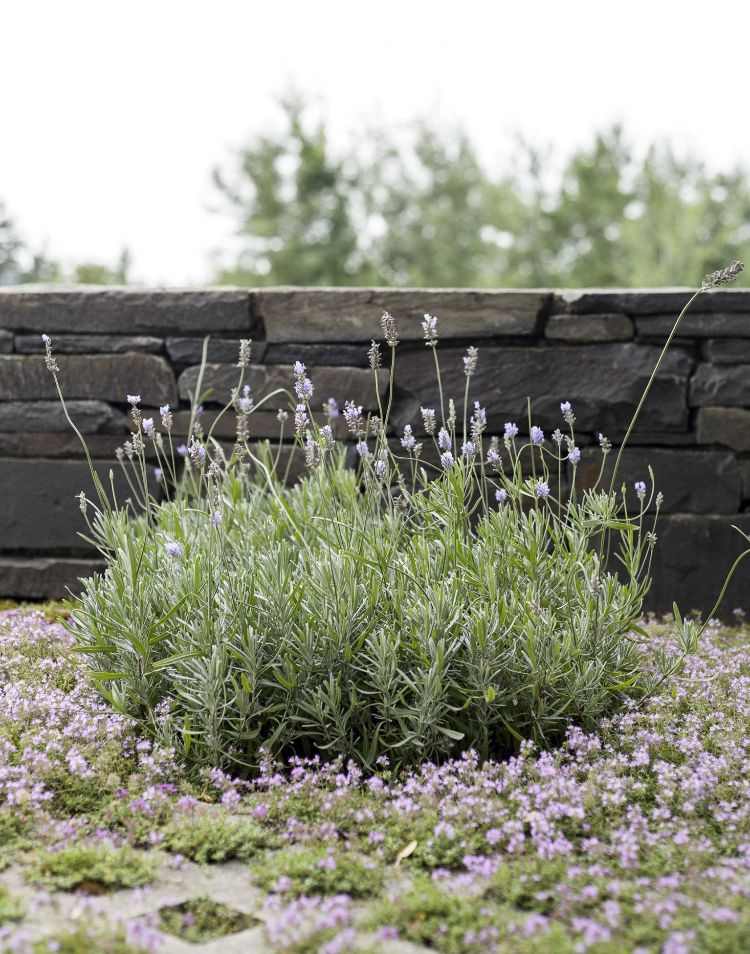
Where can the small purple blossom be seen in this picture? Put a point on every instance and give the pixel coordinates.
(174, 549)
(541, 488)
(446, 459)
(444, 439)
(148, 426)
(134, 399)
(510, 430)
(331, 408)
(501, 495)
(408, 441)
(640, 488)
(574, 455)
(537, 436)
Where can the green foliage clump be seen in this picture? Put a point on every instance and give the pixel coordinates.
(85, 940)
(202, 919)
(210, 838)
(318, 871)
(91, 868)
(11, 909)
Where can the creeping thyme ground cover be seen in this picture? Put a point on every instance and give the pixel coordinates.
(634, 837)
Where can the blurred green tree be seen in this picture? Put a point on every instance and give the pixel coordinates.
(418, 207)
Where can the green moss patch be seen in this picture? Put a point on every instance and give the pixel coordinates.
(202, 919)
(91, 869)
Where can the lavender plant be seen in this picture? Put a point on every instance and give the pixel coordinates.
(407, 608)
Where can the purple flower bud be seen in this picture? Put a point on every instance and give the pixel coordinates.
(640, 488)
(408, 441)
(216, 518)
(148, 426)
(511, 430)
(574, 455)
(174, 549)
(331, 408)
(537, 436)
(182, 450)
(158, 473)
(446, 460)
(541, 488)
(444, 439)
(501, 495)
(134, 399)
(363, 450)
(468, 449)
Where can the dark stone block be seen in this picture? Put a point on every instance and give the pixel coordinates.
(220, 350)
(696, 325)
(603, 382)
(353, 314)
(90, 417)
(345, 384)
(6, 342)
(90, 344)
(727, 351)
(650, 301)
(63, 445)
(728, 426)
(692, 481)
(109, 310)
(691, 560)
(262, 424)
(43, 579)
(40, 511)
(315, 356)
(95, 377)
(720, 386)
(745, 474)
(589, 328)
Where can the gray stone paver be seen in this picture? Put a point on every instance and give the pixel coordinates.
(230, 883)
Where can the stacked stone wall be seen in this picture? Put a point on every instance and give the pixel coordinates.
(595, 348)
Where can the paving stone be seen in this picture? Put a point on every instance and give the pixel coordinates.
(729, 426)
(353, 314)
(43, 578)
(355, 384)
(589, 328)
(220, 350)
(53, 309)
(720, 386)
(697, 325)
(40, 511)
(692, 481)
(90, 417)
(90, 344)
(604, 383)
(92, 377)
(649, 301)
(692, 557)
(727, 351)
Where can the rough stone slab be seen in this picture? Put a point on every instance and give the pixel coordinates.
(61, 445)
(90, 417)
(6, 342)
(745, 475)
(317, 355)
(727, 351)
(692, 481)
(720, 386)
(40, 511)
(95, 377)
(353, 314)
(697, 325)
(90, 344)
(220, 350)
(589, 328)
(604, 383)
(650, 301)
(729, 426)
(692, 557)
(262, 424)
(43, 579)
(344, 384)
(115, 310)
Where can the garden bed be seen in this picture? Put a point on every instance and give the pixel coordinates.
(636, 837)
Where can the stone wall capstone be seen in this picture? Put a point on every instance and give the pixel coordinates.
(593, 347)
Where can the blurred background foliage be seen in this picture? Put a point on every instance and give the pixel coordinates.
(417, 206)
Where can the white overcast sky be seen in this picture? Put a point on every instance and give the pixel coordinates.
(113, 113)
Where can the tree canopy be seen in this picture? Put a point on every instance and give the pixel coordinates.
(420, 208)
